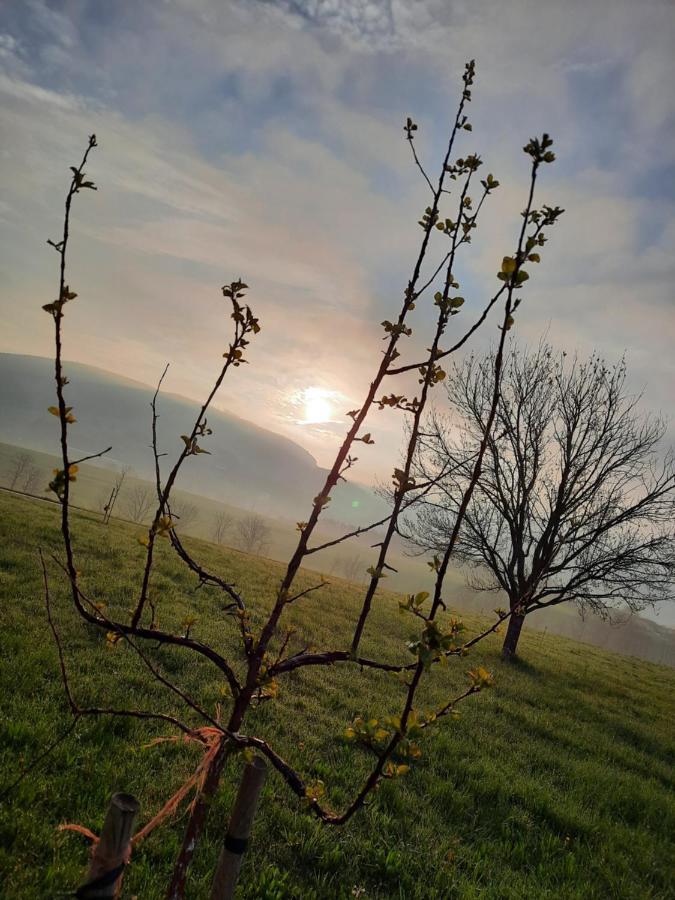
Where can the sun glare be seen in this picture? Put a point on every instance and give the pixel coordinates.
(317, 406)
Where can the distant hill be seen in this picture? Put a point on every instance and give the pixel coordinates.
(248, 466)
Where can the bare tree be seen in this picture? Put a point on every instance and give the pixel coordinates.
(266, 652)
(253, 534)
(572, 504)
(20, 465)
(184, 512)
(138, 503)
(222, 525)
(32, 479)
(351, 567)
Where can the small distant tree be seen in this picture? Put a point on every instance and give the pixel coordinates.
(138, 503)
(351, 567)
(33, 479)
(185, 513)
(222, 525)
(253, 534)
(267, 652)
(572, 504)
(19, 468)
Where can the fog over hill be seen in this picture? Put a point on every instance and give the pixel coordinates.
(249, 466)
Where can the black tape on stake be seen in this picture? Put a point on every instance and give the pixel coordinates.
(238, 830)
(104, 880)
(235, 844)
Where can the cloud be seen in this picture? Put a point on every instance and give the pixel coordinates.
(165, 229)
(265, 139)
(369, 20)
(34, 94)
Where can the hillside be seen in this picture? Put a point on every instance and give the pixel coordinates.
(632, 636)
(248, 466)
(558, 783)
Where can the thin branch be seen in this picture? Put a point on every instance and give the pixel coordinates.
(162, 637)
(82, 459)
(419, 164)
(363, 529)
(155, 453)
(209, 578)
(309, 590)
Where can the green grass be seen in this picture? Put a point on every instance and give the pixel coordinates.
(557, 783)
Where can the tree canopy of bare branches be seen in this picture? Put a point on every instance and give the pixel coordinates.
(253, 534)
(23, 474)
(19, 467)
(351, 567)
(573, 503)
(138, 503)
(222, 525)
(185, 512)
(33, 479)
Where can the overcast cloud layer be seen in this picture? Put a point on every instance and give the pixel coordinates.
(265, 140)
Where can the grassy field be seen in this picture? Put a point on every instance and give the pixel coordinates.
(641, 637)
(556, 783)
(94, 483)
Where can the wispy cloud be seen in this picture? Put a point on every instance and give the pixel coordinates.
(367, 20)
(265, 139)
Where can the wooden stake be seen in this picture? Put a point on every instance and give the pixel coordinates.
(238, 831)
(106, 870)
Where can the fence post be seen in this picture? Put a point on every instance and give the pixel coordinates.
(238, 830)
(106, 869)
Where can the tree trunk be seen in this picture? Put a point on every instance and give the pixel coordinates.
(201, 805)
(196, 824)
(512, 634)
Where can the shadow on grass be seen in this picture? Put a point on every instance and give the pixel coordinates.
(518, 664)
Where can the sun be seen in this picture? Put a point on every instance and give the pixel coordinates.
(317, 406)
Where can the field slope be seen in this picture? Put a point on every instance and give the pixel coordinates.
(555, 784)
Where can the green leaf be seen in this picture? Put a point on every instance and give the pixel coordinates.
(420, 598)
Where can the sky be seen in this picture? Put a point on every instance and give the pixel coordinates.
(265, 140)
